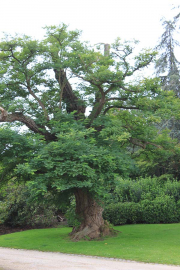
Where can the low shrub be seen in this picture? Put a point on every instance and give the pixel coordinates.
(128, 190)
(172, 188)
(162, 209)
(123, 213)
(16, 209)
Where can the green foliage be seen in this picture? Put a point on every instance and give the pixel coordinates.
(162, 160)
(16, 149)
(145, 200)
(73, 161)
(123, 213)
(172, 189)
(17, 208)
(65, 149)
(128, 190)
(162, 209)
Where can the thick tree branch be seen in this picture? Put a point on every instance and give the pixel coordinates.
(96, 110)
(30, 123)
(98, 106)
(73, 103)
(109, 89)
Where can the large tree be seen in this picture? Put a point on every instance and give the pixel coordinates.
(47, 87)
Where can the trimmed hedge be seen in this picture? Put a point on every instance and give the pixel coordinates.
(123, 213)
(161, 210)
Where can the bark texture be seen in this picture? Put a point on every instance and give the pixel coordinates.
(73, 103)
(93, 225)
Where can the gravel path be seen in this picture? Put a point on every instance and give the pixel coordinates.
(13, 259)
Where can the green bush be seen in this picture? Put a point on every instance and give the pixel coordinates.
(172, 188)
(145, 200)
(17, 209)
(128, 190)
(13, 202)
(161, 210)
(3, 212)
(123, 213)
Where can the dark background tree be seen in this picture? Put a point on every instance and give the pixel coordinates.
(65, 150)
(168, 67)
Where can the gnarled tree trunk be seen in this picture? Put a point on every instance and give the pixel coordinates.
(90, 213)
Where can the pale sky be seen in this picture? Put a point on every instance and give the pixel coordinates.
(100, 20)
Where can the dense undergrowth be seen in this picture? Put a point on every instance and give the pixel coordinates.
(144, 200)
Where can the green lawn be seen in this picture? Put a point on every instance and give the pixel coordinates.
(157, 243)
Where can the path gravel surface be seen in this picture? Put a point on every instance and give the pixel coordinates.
(15, 259)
